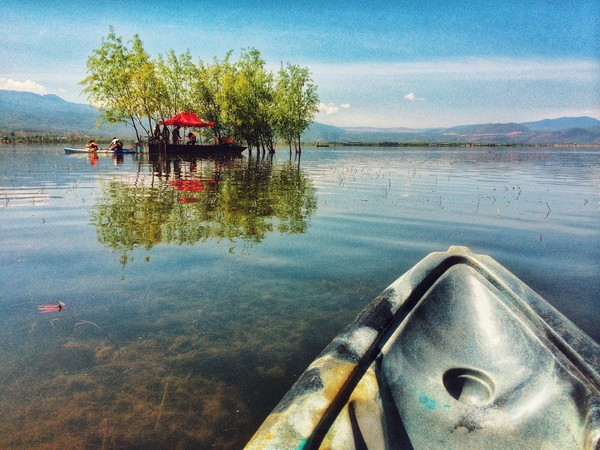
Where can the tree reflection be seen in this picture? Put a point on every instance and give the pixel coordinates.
(188, 200)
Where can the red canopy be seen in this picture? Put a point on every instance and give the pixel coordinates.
(187, 119)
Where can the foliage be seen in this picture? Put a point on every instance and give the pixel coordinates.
(177, 74)
(246, 100)
(114, 82)
(207, 90)
(296, 103)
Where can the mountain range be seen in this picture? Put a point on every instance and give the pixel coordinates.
(564, 130)
(34, 113)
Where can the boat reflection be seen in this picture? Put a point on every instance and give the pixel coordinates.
(184, 199)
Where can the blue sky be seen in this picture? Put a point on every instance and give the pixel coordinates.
(397, 63)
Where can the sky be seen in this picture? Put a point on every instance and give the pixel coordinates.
(377, 63)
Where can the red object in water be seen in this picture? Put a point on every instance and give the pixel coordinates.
(45, 309)
(190, 185)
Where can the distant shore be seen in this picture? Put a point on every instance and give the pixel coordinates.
(50, 139)
(79, 139)
(444, 144)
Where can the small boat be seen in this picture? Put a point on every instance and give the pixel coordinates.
(221, 147)
(200, 150)
(100, 150)
(456, 353)
(322, 145)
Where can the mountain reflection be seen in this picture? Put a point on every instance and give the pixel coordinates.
(185, 199)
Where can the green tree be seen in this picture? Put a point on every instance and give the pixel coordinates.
(296, 103)
(120, 81)
(147, 89)
(243, 98)
(246, 100)
(177, 75)
(207, 90)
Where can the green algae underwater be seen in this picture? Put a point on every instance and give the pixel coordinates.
(196, 291)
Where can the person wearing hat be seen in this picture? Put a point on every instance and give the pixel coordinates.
(116, 145)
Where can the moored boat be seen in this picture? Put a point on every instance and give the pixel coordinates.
(221, 147)
(456, 353)
(200, 150)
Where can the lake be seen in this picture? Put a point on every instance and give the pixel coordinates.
(197, 291)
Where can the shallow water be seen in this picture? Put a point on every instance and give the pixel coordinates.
(197, 291)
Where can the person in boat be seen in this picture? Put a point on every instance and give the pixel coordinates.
(91, 146)
(156, 134)
(191, 139)
(165, 135)
(116, 145)
(176, 135)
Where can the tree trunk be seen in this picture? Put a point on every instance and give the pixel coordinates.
(137, 135)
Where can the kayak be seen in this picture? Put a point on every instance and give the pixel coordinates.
(456, 353)
(100, 150)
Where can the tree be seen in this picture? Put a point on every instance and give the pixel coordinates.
(243, 98)
(246, 100)
(118, 81)
(296, 103)
(147, 89)
(177, 75)
(207, 90)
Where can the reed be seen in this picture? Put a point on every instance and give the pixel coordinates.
(161, 407)
(104, 433)
(106, 335)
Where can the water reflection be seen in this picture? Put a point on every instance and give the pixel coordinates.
(185, 199)
(193, 348)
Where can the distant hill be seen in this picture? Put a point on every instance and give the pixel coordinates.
(547, 132)
(488, 128)
(34, 113)
(562, 123)
(319, 132)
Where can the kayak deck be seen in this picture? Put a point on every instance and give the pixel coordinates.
(456, 353)
(101, 150)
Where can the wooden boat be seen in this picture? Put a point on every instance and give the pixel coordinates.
(100, 150)
(457, 353)
(200, 150)
(223, 147)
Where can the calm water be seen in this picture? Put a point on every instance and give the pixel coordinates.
(197, 291)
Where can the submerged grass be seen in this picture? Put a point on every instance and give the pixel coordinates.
(182, 381)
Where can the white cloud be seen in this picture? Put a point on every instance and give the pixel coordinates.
(332, 108)
(28, 86)
(412, 97)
